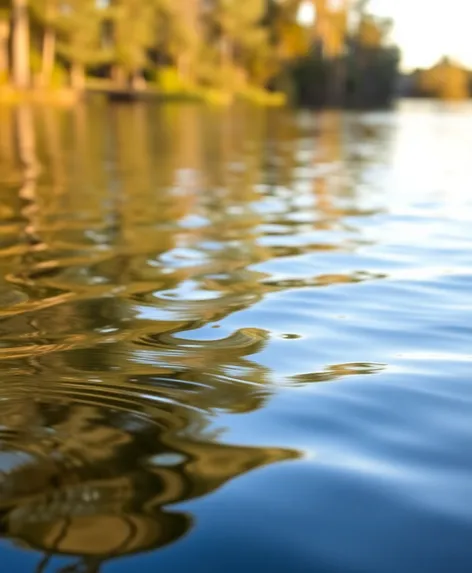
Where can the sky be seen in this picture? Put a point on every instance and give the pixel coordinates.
(425, 31)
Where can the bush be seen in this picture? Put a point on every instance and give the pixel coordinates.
(169, 81)
(59, 77)
(263, 97)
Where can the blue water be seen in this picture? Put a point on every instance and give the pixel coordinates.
(236, 340)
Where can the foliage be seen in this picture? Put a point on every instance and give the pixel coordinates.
(79, 27)
(133, 23)
(236, 47)
(351, 65)
(45, 12)
(446, 80)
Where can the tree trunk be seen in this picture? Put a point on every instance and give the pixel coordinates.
(190, 16)
(226, 52)
(137, 80)
(77, 76)
(184, 68)
(48, 55)
(4, 59)
(336, 83)
(361, 68)
(20, 44)
(118, 75)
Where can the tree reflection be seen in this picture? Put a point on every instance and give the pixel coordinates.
(96, 476)
(144, 229)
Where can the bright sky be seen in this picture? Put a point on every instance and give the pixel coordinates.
(429, 29)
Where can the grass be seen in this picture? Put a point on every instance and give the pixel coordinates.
(60, 96)
(64, 96)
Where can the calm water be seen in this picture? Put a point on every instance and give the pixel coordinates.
(235, 340)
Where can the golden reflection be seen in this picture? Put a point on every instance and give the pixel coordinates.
(144, 230)
(97, 481)
(330, 153)
(7, 151)
(26, 148)
(51, 128)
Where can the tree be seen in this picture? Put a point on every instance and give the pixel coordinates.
(79, 25)
(233, 45)
(446, 80)
(4, 41)
(185, 37)
(134, 24)
(240, 34)
(351, 61)
(20, 44)
(373, 61)
(46, 13)
(332, 33)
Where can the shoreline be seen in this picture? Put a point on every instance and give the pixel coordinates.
(69, 97)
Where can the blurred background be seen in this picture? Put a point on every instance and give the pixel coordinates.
(355, 53)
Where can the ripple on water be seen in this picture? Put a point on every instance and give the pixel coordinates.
(191, 297)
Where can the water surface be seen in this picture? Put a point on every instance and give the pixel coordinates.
(235, 340)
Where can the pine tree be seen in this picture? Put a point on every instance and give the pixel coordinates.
(134, 33)
(373, 62)
(289, 40)
(46, 13)
(183, 37)
(80, 30)
(240, 32)
(229, 44)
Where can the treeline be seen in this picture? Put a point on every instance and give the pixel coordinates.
(446, 80)
(232, 46)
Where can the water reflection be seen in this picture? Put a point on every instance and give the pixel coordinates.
(148, 229)
(88, 474)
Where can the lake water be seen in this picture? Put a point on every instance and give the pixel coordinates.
(235, 340)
